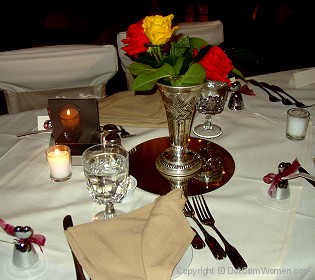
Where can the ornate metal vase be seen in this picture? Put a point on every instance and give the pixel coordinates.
(180, 105)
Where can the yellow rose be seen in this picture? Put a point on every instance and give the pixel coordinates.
(159, 29)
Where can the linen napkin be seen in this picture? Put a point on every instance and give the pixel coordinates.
(133, 109)
(146, 243)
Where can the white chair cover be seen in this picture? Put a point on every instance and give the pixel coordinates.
(210, 31)
(29, 77)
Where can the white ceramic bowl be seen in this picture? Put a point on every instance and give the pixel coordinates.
(131, 188)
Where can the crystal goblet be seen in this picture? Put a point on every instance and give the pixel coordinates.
(212, 165)
(106, 169)
(212, 99)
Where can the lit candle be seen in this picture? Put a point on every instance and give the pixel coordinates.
(70, 120)
(59, 162)
(297, 123)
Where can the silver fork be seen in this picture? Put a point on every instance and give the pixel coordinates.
(124, 133)
(206, 218)
(212, 243)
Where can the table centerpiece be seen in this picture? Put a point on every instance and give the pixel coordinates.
(179, 70)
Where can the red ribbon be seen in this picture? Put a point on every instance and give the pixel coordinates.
(34, 238)
(276, 178)
(9, 229)
(246, 90)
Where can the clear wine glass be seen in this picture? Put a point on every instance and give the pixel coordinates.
(212, 99)
(106, 169)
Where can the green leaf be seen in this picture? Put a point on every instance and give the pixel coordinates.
(178, 65)
(140, 68)
(196, 42)
(195, 75)
(238, 73)
(145, 82)
(179, 48)
(202, 53)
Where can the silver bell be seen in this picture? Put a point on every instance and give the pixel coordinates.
(24, 255)
(281, 191)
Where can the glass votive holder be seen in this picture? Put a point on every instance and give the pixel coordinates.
(70, 120)
(59, 163)
(297, 123)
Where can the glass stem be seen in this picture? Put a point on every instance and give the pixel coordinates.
(109, 208)
(208, 122)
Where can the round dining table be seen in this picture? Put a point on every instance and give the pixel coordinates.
(275, 237)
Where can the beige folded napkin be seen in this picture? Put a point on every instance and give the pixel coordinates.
(133, 109)
(146, 243)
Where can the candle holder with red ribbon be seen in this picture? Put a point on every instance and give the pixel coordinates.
(24, 253)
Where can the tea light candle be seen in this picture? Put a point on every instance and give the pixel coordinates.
(59, 162)
(297, 123)
(70, 119)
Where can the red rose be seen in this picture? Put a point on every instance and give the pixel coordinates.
(217, 65)
(136, 40)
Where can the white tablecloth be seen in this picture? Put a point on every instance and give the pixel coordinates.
(276, 238)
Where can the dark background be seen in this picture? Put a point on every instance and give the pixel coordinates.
(277, 32)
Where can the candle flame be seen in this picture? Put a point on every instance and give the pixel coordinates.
(57, 152)
(68, 112)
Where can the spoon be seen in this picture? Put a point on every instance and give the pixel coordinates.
(272, 98)
(197, 242)
(284, 100)
(301, 169)
(301, 174)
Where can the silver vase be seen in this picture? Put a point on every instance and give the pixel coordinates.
(180, 104)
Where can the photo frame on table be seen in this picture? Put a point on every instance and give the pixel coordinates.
(78, 133)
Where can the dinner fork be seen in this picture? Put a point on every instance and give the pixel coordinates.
(212, 243)
(124, 133)
(206, 218)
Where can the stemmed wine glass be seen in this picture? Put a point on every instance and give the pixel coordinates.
(211, 102)
(106, 169)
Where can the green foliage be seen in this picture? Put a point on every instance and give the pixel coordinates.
(176, 69)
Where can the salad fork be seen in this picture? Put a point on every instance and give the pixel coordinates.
(206, 218)
(212, 243)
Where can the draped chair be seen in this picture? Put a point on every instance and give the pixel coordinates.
(29, 77)
(210, 31)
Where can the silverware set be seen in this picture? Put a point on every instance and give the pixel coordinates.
(205, 218)
(212, 243)
(277, 94)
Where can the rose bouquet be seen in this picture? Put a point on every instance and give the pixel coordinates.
(159, 59)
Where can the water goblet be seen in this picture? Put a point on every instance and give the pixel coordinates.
(212, 99)
(212, 165)
(106, 169)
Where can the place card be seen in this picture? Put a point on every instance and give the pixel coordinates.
(303, 78)
(40, 122)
